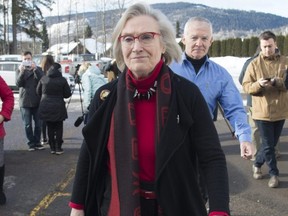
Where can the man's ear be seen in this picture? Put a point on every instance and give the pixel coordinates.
(183, 40)
(212, 40)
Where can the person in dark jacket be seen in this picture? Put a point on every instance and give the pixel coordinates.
(27, 81)
(46, 63)
(112, 71)
(146, 137)
(52, 89)
(254, 129)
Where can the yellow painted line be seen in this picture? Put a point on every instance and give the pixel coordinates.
(58, 192)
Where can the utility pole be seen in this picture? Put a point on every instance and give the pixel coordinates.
(77, 29)
(68, 28)
(96, 35)
(7, 27)
(14, 10)
(84, 46)
(33, 22)
(104, 25)
(50, 30)
(58, 33)
(5, 17)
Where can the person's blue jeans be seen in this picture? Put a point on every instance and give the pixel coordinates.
(270, 133)
(28, 114)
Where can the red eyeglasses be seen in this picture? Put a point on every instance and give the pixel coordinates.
(145, 38)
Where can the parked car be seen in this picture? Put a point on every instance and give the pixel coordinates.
(87, 57)
(11, 57)
(8, 72)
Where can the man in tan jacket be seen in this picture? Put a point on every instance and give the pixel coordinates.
(264, 80)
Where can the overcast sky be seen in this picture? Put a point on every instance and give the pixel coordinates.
(277, 7)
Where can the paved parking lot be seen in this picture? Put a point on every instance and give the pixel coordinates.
(38, 183)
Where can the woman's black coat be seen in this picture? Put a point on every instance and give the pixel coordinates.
(53, 88)
(189, 141)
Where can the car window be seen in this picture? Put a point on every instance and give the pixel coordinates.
(8, 71)
(8, 67)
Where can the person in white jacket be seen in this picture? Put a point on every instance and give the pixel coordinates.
(91, 80)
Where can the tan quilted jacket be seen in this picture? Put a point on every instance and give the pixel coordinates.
(268, 103)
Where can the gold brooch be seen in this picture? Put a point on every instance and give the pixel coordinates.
(104, 93)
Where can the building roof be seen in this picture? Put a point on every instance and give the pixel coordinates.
(62, 48)
(94, 47)
(89, 43)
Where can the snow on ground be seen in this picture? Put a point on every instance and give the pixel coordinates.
(233, 65)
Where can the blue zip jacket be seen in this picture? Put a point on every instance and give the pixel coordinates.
(216, 84)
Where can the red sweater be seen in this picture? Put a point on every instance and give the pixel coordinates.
(145, 111)
(7, 98)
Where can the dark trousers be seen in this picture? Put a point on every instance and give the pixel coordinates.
(149, 207)
(44, 129)
(55, 132)
(270, 133)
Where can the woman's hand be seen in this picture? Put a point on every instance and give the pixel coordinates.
(1, 118)
(76, 212)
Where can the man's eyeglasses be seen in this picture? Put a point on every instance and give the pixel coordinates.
(145, 38)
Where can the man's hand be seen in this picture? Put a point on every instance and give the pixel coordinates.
(33, 66)
(264, 82)
(21, 68)
(30, 68)
(246, 150)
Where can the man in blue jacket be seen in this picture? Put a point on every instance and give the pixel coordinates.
(215, 83)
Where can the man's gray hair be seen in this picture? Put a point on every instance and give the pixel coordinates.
(197, 19)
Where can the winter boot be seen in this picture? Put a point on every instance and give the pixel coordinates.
(2, 194)
(52, 147)
(59, 150)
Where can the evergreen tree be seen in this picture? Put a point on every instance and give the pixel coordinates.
(237, 45)
(223, 48)
(45, 38)
(245, 47)
(178, 31)
(285, 46)
(253, 44)
(228, 47)
(280, 42)
(88, 32)
(25, 16)
(216, 49)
